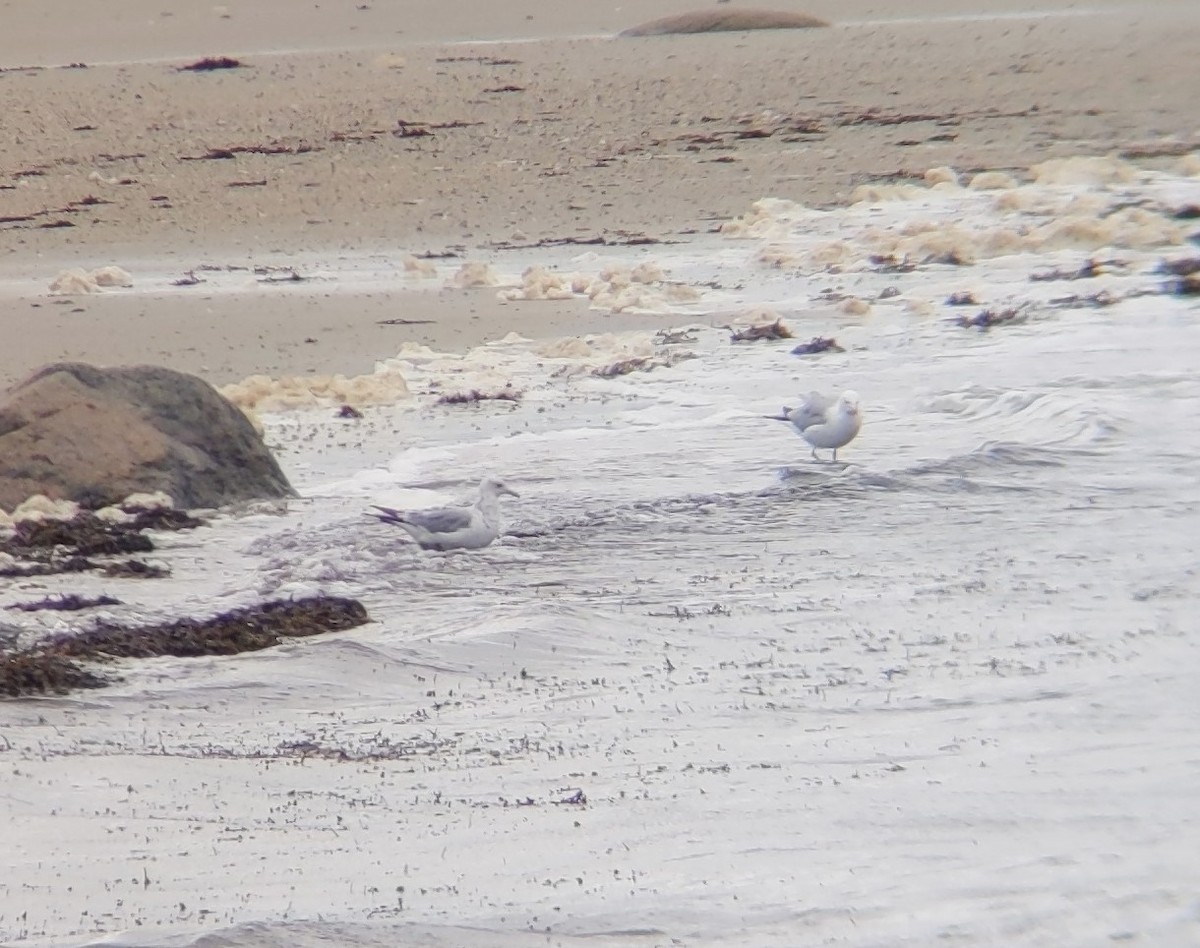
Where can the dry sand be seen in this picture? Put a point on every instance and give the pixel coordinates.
(507, 142)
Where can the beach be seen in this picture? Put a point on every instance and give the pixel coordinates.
(650, 139)
(704, 689)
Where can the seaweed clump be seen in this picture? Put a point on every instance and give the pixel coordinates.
(989, 318)
(212, 63)
(43, 547)
(50, 667)
(33, 672)
(475, 396)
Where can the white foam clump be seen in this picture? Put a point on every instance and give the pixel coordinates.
(472, 274)
(1189, 166)
(538, 283)
(767, 217)
(77, 280)
(148, 500)
(943, 177)
(1094, 171)
(490, 367)
(593, 351)
(151, 500)
(879, 193)
(642, 288)
(992, 181)
(779, 257)
(1130, 227)
(39, 507)
(935, 240)
(114, 515)
(1068, 206)
(928, 241)
(520, 364)
(418, 268)
(263, 393)
(1049, 203)
(833, 253)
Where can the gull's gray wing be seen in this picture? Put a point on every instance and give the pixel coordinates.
(814, 410)
(441, 520)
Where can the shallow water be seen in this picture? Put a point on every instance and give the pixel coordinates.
(938, 690)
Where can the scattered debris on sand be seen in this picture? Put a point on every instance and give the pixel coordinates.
(1183, 267)
(675, 337)
(287, 276)
(962, 298)
(890, 263)
(987, 318)
(401, 321)
(1088, 270)
(274, 148)
(641, 364)
(817, 345)
(475, 396)
(1097, 300)
(188, 279)
(772, 331)
(1185, 286)
(624, 367)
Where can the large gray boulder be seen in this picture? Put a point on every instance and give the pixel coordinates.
(95, 436)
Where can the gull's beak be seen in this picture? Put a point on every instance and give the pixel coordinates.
(782, 416)
(510, 492)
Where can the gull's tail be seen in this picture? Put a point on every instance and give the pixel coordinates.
(388, 515)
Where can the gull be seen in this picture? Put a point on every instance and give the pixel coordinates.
(453, 528)
(824, 423)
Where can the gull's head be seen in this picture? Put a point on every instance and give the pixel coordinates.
(492, 487)
(848, 403)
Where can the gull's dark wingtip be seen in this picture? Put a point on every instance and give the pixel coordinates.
(385, 514)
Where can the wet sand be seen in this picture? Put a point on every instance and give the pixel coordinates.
(405, 144)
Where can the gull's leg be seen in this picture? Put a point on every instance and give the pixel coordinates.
(814, 453)
(835, 454)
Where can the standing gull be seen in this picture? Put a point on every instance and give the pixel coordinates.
(453, 528)
(824, 423)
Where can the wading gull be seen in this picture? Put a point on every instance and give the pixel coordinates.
(824, 423)
(453, 528)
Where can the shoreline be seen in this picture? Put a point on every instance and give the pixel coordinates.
(426, 151)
